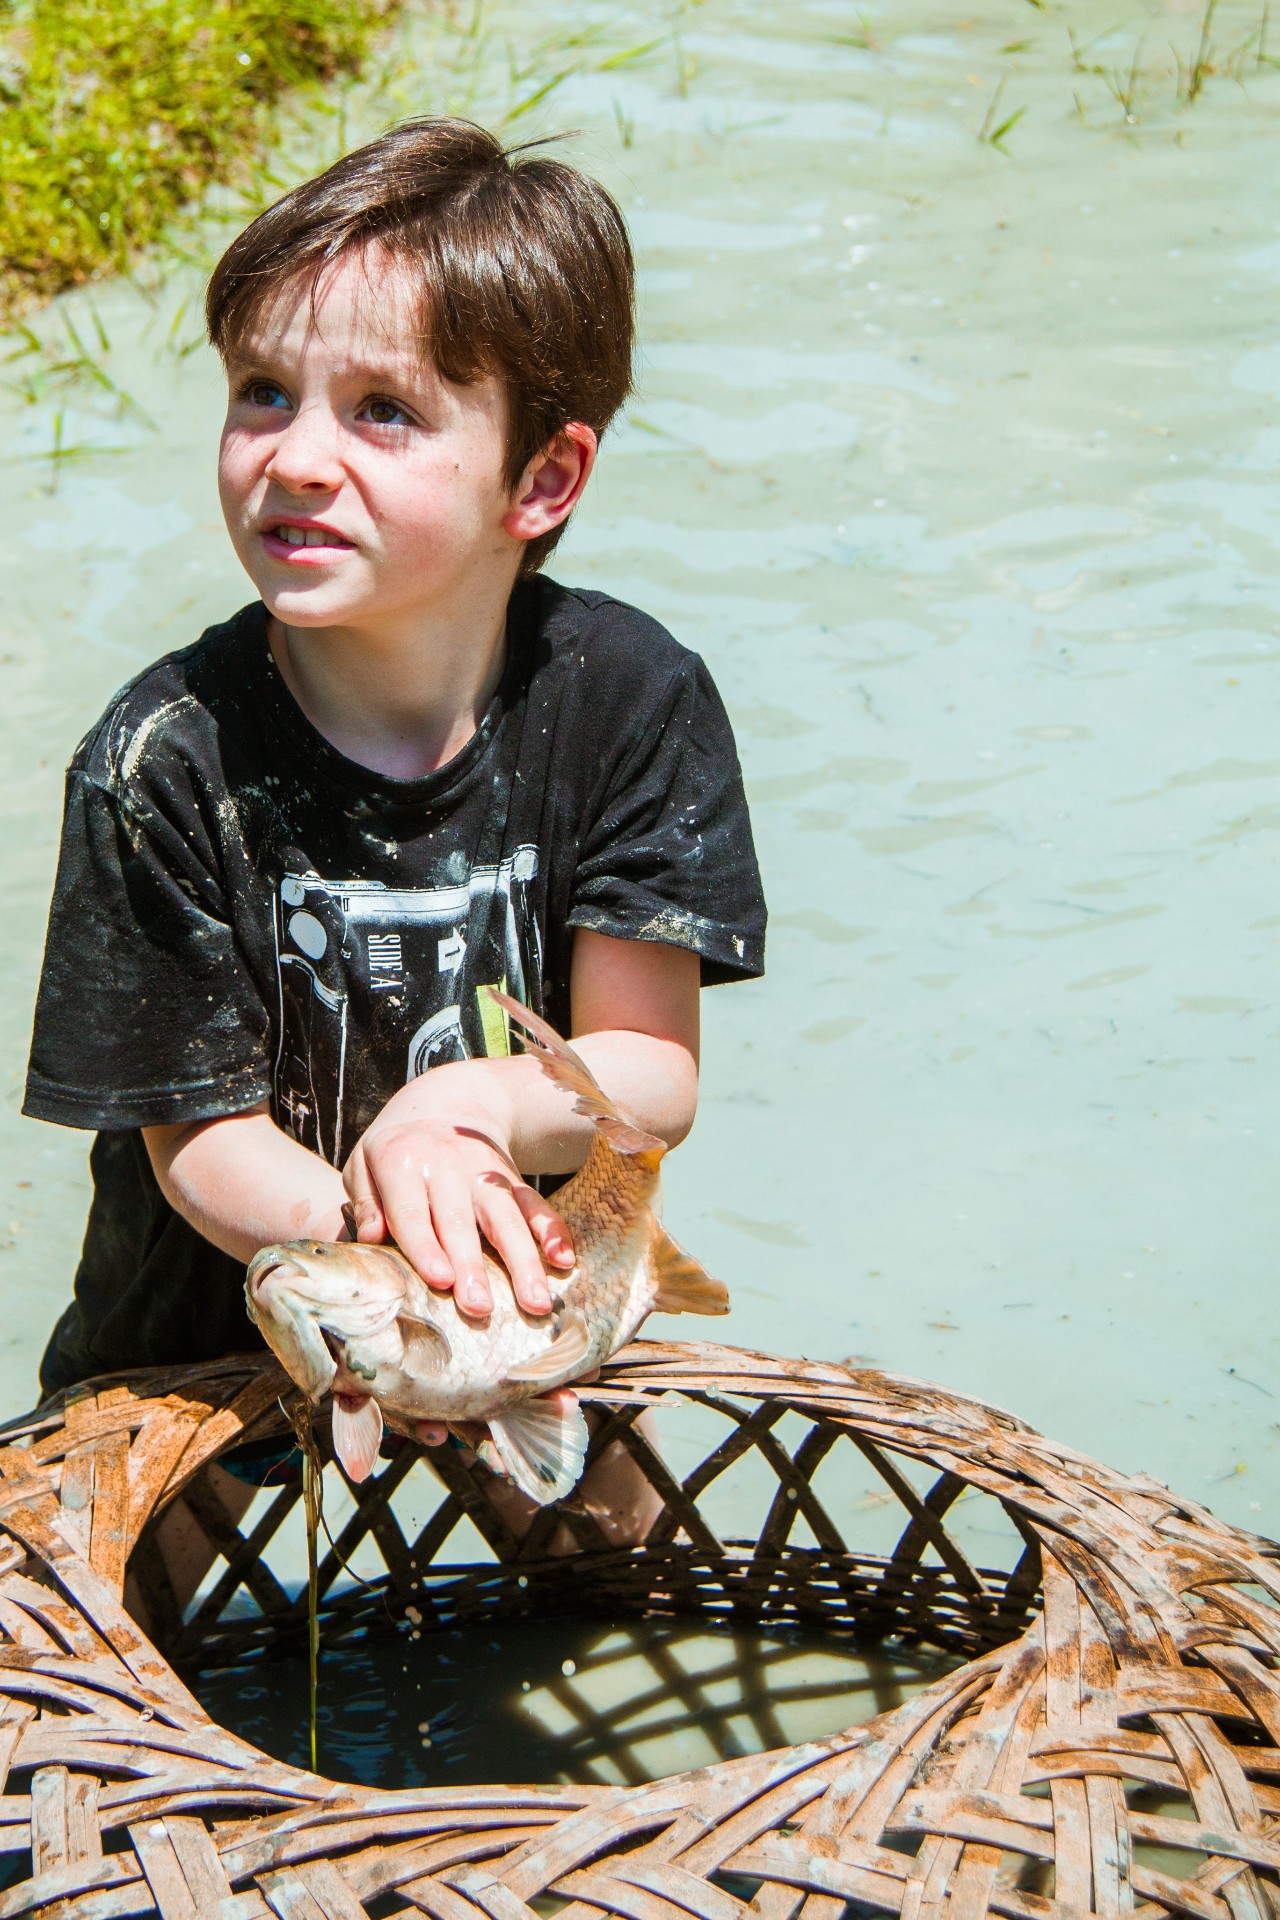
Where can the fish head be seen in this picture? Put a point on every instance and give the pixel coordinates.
(330, 1308)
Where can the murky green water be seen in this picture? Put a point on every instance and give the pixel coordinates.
(959, 465)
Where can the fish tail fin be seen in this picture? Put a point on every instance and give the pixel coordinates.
(543, 1444)
(683, 1285)
(357, 1434)
(572, 1074)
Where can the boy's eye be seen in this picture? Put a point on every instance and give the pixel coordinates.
(386, 413)
(263, 393)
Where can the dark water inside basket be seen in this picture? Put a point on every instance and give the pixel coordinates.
(562, 1700)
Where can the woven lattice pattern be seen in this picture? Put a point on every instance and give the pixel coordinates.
(1111, 1744)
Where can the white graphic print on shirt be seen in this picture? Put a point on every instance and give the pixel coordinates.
(359, 963)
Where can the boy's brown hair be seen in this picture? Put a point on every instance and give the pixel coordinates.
(524, 266)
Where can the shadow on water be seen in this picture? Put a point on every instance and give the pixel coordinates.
(562, 1701)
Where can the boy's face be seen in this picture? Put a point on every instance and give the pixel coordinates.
(360, 488)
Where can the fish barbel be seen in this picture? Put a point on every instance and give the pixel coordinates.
(357, 1320)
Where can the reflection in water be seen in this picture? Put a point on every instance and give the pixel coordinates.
(567, 1700)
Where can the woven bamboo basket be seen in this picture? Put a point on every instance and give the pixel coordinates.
(1109, 1741)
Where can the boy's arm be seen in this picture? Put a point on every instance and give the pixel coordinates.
(442, 1162)
(244, 1184)
(438, 1166)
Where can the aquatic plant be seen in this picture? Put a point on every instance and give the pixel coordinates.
(1191, 70)
(861, 34)
(1201, 65)
(992, 133)
(1125, 86)
(48, 371)
(115, 114)
(1248, 55)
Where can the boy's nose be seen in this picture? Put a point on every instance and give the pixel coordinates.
(305, 457)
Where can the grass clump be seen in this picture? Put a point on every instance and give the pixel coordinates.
(1208, 57)
(117, 114)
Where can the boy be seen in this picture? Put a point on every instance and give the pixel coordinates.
(293, 852)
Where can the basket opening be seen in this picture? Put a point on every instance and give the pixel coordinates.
(569, 1698)
(799, 1580)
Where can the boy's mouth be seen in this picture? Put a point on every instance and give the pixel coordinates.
(303, 540)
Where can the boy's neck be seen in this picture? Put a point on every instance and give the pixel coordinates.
(404, 700)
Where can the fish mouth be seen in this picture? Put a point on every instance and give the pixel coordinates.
(269, 1261)
(293, 1336)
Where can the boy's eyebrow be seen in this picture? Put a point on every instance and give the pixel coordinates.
(241, 358)
(396, 367)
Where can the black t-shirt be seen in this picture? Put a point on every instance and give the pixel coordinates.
(241, 913)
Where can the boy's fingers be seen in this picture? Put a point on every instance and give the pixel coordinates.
(363, 1212)
(546, 1226)
(398, 1191)
(405, 1205)
(454, 1219)
(469, 1433)
(409, 1225)
(507, 1231)
(366, 1219)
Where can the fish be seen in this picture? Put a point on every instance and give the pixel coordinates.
(356, 1320)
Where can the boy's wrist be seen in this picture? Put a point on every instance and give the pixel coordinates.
(466, 1094)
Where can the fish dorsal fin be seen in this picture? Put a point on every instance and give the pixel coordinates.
(562, 1065)
(426, 1346)
(357, 1433)
(683, 1285)
(570, 1348)
(543, 1444)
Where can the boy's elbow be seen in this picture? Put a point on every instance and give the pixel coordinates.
(681, 1107)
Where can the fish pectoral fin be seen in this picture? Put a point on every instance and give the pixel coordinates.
(543, 1444)
(683, 1286)
(426, 1347)
(571, 1348)
(357, 1433)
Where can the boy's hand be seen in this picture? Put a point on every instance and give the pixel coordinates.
(434, 1173)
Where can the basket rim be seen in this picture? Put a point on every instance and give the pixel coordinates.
(1150, 1621)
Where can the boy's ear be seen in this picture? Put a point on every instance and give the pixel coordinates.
(549, 488)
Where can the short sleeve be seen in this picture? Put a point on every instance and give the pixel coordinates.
(669, 855)
(147, 1013)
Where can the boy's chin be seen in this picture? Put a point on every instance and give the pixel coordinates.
(314, 604)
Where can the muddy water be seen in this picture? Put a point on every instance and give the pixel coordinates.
(957, 461)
